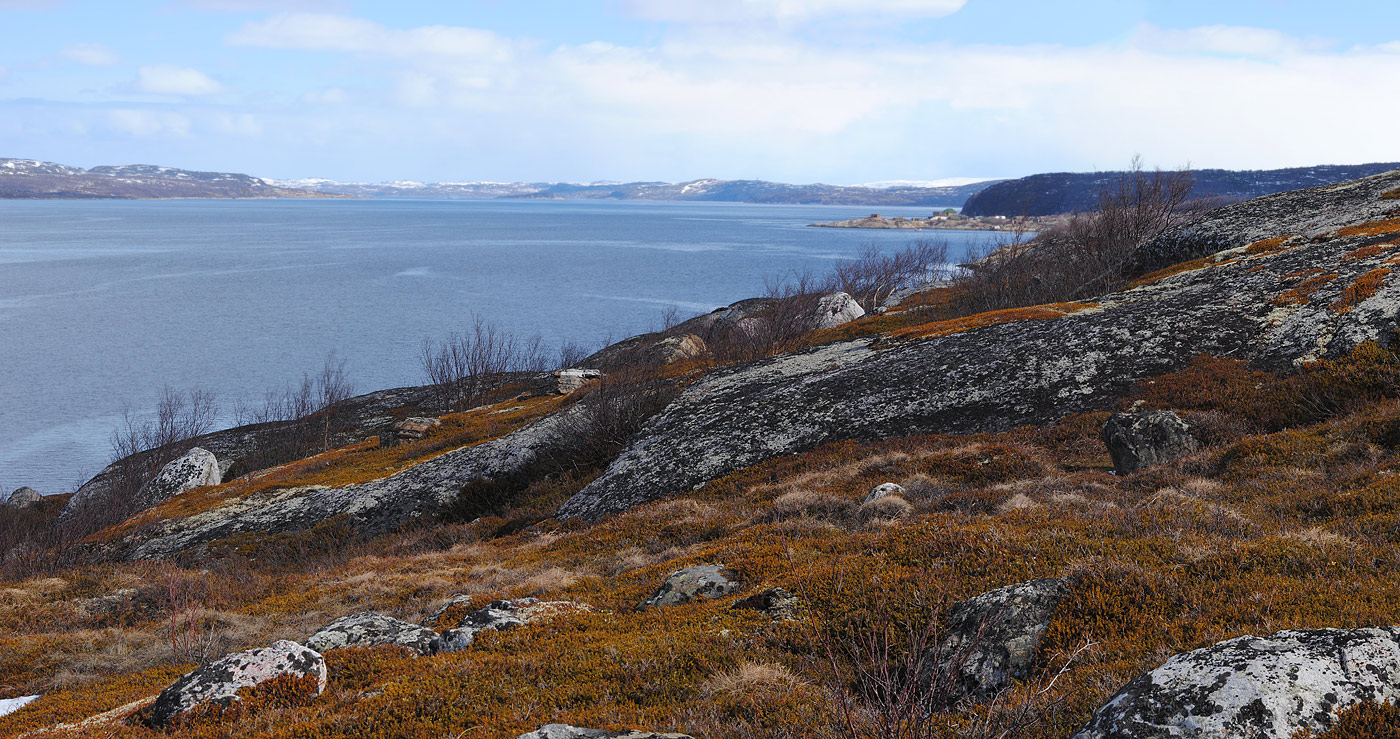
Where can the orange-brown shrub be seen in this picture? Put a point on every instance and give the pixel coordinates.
(1365, 286)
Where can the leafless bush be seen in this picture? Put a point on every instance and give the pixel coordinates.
(779, 325)
(1090, 255)
(142, 445)
(465, 367)
(299, 420)
(874, 275)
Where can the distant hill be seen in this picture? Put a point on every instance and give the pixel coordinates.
(30, 179)
(1065, 192)
(727, 191)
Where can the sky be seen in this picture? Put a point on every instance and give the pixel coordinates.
(835, 91)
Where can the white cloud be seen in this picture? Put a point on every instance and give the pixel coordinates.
(730, 11)
(323, 32)
(167, 79)
(146, 123)
(92, 55)
(1222, 40)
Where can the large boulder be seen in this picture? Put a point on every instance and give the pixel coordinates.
(1256, 687)
(835, 309)
(994, 638)
(24, 498)
(500, 615)
(414, 428)
(371, 629)
(196, 468)
(563, 731)
(1145, 439)
(218, 682)
(882, 490)
(573, 380)
(701, 582)
(775, 602)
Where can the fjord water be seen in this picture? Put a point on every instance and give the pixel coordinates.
(104, 303)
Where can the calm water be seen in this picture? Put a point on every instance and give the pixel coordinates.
(103, 303)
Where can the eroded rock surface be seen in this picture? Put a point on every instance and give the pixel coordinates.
(371, 629)
(993, 638)
(371, 507)
(836, 309)
(218, 682)
(996, 378)
(196, 468)
(701, 582)
(1257, 687)
(499, 616)
(563, 731)
(1145, 439)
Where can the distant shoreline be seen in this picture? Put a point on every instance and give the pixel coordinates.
(946, 222)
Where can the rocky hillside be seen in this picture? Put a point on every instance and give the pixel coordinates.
(1169, 511)
(1064, 192)
(27, 178)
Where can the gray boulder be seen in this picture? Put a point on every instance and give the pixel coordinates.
(499, 616)
(1145, 439)
(1256, 687)
(196, 468)
(881, 490)
(701, 582)
(573, 380)
(24, 498)
(562, 731)
(993, 638)
(835, 309)
(414, 428)
(776, 602)
(218, 682)
(371, 629)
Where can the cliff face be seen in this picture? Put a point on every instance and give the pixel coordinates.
(1271, 306)
(1065, 192)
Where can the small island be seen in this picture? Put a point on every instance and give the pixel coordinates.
(948, 219)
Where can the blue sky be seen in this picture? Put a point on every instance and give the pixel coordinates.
(842, 91)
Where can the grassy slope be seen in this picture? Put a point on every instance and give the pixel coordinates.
(1286, 519)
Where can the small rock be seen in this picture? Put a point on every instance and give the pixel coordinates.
(881, 490)
(995, 636)
(776, 602)
(370, 629)
(571, 380)
(836, 309)
(413, 428)
(1140, 440)
(24, 498)
(563, 731)
(499, 616)
(701, 582)
(196, 468)
(218, 682)
(1259, 687)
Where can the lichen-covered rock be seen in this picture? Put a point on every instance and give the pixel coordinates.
(24, 498)
(1256, 687)
(414, 427)
(701, 582)
(371, 507)
(196, 468)
(776, 602)
(881, 490)
(371, 629)
(993, 638)
(499, 616)
(993, 378)
(1145, 439)
(218, 682)
(562, 731)
(836, 309)
(573, 380)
